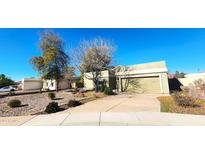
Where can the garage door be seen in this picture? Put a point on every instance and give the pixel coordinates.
(141, 85)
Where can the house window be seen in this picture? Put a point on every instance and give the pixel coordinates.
(51, 84)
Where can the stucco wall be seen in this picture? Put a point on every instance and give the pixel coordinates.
(190, 78)
(165, 83)
(146, 66)
(88, 82)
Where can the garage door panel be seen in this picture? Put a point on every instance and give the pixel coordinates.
(141, 84)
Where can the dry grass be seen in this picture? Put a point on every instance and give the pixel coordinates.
(168, 104)
(90, 94)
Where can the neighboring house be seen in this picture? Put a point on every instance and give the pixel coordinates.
(31, 84)
(141, 78)
(52, 84)
(40, 84)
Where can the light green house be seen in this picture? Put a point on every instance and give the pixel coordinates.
(141, 78)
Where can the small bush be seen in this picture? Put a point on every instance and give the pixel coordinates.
(108, 91)
(51, 95)
(184, 99)
(199, 102)
(52, 107)
(14, 103)
(73, 103)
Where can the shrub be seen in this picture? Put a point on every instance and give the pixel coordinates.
(108, 91)
(199, 102)
(102, 88)
(52, 107)
(73, 103)
(51, 95)
(184, 99)
(14, 103)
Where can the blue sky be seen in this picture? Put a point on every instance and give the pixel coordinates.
(182, 49)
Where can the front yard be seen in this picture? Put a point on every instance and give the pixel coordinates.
(36, 103)
(169, 104)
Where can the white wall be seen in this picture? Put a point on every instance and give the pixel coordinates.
(52, 85)
(190, 78)
(49, 84)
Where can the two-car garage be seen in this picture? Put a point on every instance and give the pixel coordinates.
(144, 78)
(141, 84)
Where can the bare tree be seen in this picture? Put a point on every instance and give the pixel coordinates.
(93, 56)
(124, 69)
(200, 84)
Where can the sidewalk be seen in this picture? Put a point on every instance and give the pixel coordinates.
(106, 119)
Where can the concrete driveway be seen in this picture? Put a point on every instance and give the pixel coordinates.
(121, 103)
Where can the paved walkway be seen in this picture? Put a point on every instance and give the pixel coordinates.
(121, 103)
(105, 119)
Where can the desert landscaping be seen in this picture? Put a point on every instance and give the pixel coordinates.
(36, 103)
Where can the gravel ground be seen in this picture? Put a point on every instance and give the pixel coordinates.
(31, 103)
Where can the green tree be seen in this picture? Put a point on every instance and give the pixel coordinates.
(93, 56)
(53, 63)
(179, 74)
(5, 81)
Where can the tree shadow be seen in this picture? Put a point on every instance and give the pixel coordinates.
(23, 105)
(58, 98)
(131, 84)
